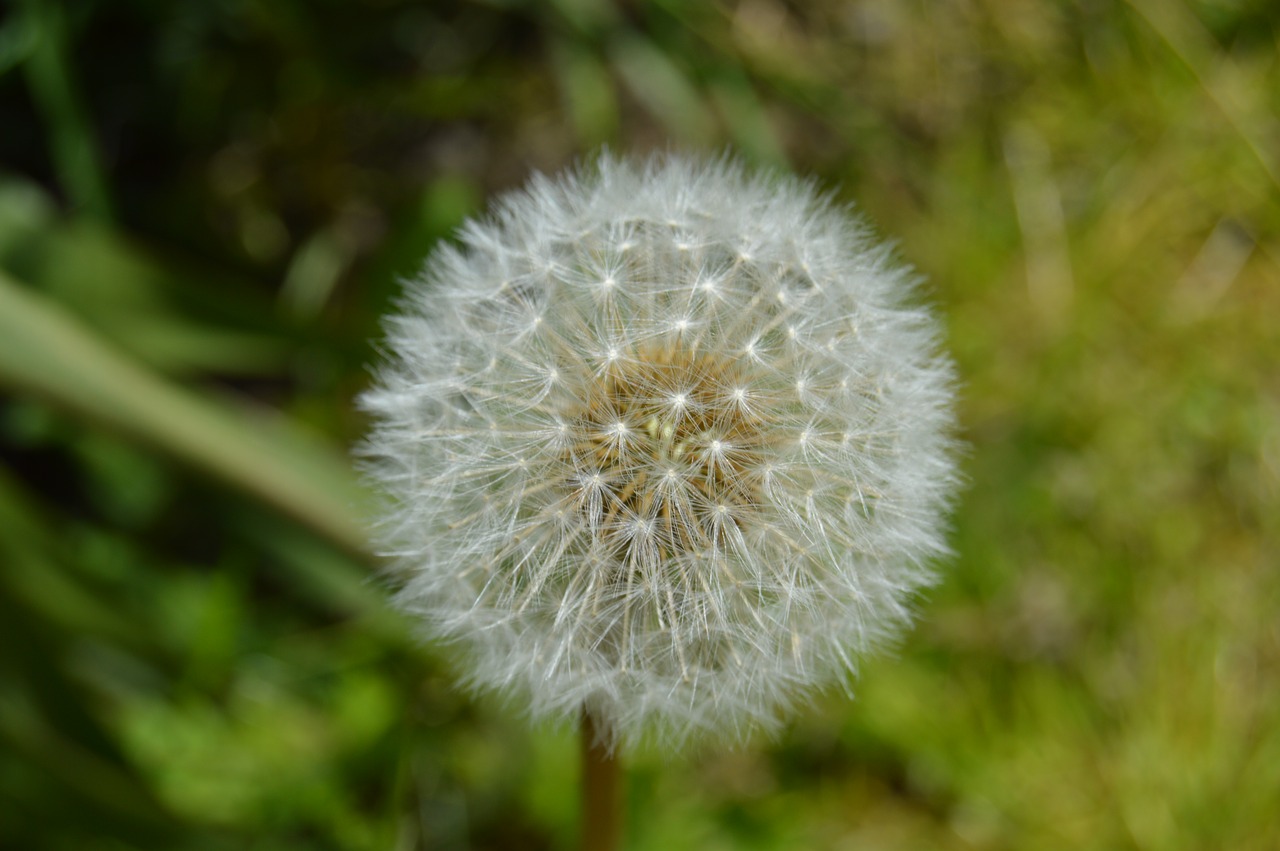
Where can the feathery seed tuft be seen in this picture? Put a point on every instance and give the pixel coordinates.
(665, 439)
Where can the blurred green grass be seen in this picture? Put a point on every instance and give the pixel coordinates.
(205, 206)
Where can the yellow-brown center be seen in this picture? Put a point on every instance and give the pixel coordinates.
(668, 441)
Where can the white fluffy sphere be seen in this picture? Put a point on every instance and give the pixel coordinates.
(665, 439)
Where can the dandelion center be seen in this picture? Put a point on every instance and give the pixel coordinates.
(687, 463)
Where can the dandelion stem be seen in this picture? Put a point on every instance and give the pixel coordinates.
(601, 789)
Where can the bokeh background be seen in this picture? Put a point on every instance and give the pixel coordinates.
(205, 205)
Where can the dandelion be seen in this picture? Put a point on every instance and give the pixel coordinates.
(665, 440)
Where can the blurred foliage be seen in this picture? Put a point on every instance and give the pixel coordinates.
(206, 204)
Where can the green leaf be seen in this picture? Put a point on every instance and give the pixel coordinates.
(45, 351)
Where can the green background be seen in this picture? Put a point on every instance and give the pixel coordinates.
(205, 205)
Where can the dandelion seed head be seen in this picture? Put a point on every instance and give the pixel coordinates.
(690, 504)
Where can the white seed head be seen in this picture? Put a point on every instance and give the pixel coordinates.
(665, 439)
